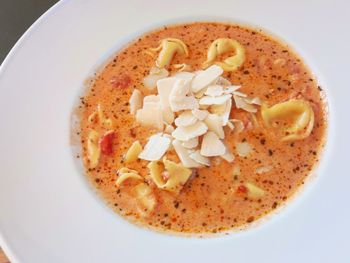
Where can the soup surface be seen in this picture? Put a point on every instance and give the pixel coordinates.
(262, 168)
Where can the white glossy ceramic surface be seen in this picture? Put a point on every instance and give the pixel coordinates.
(47, 211)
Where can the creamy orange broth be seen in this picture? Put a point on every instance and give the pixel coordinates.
(211, 200)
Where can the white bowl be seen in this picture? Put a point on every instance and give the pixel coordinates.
(48, 213)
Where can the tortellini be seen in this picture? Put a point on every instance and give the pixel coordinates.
(126, 174)
(225, 45)
(145, 197)
(143, 192)
(93, 148)
(175, 173)
(254, 191)
(98, 117)
(182, 67)
(168, 47)
(299, 112)
(156, 168)
(133, 153)
(93, 137)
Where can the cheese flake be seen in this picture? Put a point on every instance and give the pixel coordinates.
(135, 101)
(155, 148)
(184, 155)
(212, 145)
(206, 77)
(190, 132)
(185, 119)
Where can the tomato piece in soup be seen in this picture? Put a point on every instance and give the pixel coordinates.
(121, 81)
(242, 189)
(106, 143)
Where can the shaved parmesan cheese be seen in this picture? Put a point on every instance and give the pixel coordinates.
(186, 103)
(169, 129)
(168, 136)
(240, 94)
(255, 101)
(196, 156)
(150, 81)
(231, 89)
(218, 109)
(212, 145)
(204, 107)
(228, 156)
(156, 74)
(230, 125)
(168, 115)
(208, 100)
(191, 105)
(206, 77)
(184, 75)
(185, 119)
(178, 97)
(214, 91)
(226, 113)
(243, 149)
(200, 93)
(200, 114)
(150, 115)
(222, 81)
(263, 169)
(184, 155)
(238, 125)
(216, 160)
(198, 71)
(151, 99)
(214, 123)
(241, 104)
(190, 132)
(155, 148)
(135, 101)
(190, 144)
(181, 89)
(164, 87)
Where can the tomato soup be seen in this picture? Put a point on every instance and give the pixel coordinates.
(238, 131)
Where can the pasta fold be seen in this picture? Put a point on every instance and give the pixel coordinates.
(145, 197)
(99, 117)
(169, 175)
(298, 113)
(168, 47)
(93, 149)
(224, 45)
(126, 174)
(133, 153)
